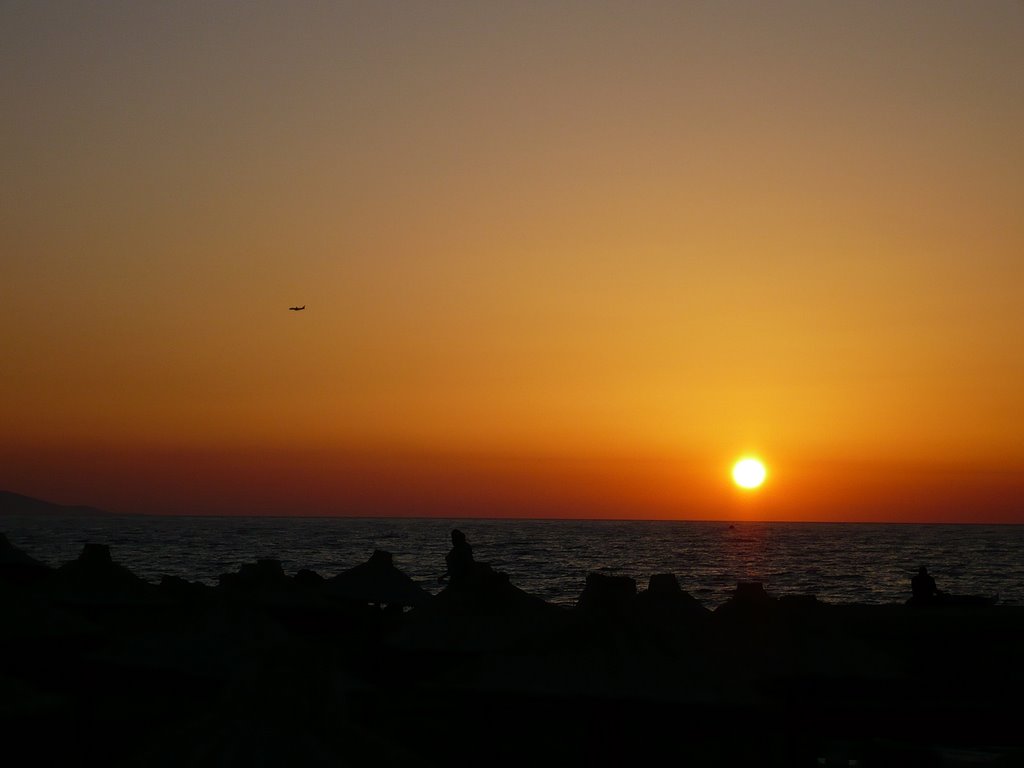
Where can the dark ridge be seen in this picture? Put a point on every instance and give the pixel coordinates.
(17, 504)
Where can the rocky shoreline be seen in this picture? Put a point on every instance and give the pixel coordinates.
(366, 668)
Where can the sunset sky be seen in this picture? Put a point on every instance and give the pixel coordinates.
(558, 259)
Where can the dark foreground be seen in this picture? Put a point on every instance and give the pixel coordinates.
(366, 669)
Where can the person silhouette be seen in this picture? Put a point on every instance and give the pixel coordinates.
(459, 559)
(923, 587)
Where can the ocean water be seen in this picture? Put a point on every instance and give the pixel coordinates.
(838, 562)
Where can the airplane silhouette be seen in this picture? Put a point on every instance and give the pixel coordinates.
(297, 309)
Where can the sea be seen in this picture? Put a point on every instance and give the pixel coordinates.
(837, 562)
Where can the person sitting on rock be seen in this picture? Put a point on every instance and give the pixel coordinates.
(459, 559)
(923, 587)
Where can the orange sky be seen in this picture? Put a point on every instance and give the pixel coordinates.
(565, 261)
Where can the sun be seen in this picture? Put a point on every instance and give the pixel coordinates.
(749, 473)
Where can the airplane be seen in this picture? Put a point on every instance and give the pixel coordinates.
(297, 309)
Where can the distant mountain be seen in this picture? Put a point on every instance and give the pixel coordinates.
(16, 504)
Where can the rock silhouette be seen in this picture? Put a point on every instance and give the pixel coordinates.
(265, 577)
(750, 599)
(18, 567)
(665, 599)
(607, 595)
(95, 577)
(268, 668)
(377, 581)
